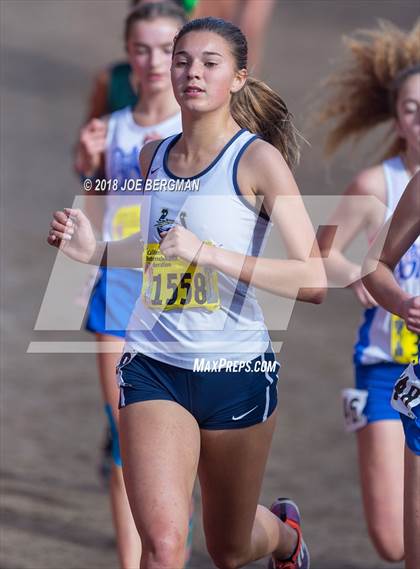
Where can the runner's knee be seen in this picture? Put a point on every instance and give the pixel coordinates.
(164, 547)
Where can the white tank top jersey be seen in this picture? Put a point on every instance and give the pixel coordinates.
(125, 139)
(226, 320)
(382, 336)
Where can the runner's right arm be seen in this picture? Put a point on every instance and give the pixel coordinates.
(71, 232)
(391, 244)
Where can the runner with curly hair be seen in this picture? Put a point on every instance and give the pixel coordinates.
(379, 84)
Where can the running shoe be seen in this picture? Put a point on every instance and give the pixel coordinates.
(288, 512)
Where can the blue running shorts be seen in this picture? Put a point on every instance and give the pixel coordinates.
(378, 380)
(113, 300)
(406, 400)
(237, 396)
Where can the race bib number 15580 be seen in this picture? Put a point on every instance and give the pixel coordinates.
(175, 284)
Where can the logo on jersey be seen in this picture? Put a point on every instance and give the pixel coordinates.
(124, 165)
(164, 224)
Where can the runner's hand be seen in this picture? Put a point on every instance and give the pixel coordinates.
(180, 242)
(410, 311)
(72, 233)
(92, 143)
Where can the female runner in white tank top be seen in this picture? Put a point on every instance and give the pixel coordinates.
(381, 83)
(117, 140)
(201, 260)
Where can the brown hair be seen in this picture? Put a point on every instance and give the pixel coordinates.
(256, 106)
(151, 11)
(364, 92)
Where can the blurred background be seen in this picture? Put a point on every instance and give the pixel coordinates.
(55, 512)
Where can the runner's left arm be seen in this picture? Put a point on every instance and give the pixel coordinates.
(263, 172)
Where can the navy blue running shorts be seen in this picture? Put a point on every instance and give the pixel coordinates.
(234, 397)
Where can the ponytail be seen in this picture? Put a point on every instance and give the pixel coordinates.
(262, 111)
